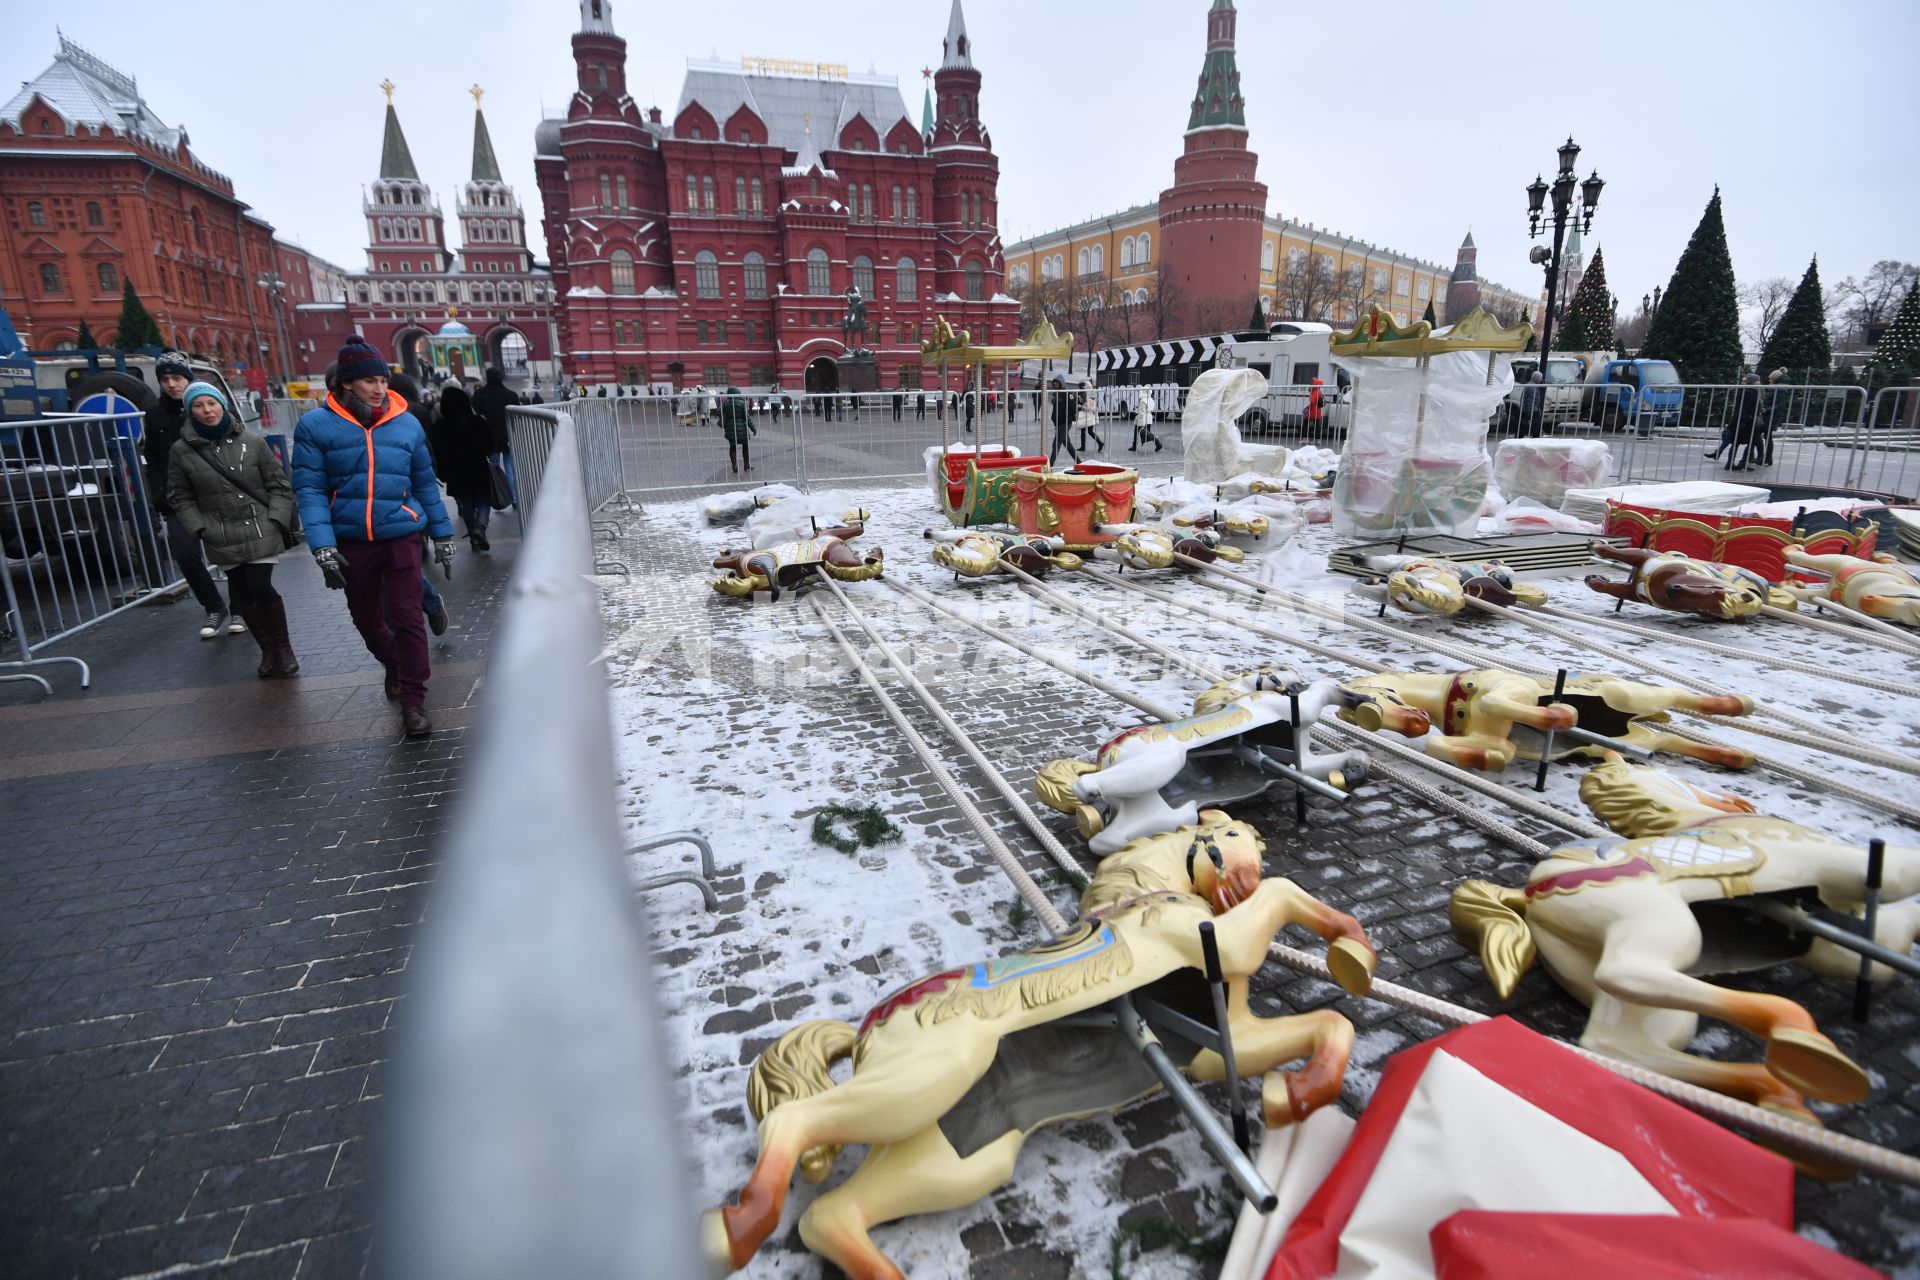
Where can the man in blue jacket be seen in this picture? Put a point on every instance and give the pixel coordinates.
(363, 480)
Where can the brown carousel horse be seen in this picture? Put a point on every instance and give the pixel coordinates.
(975, 553)
(1150, 546)
(953, 1072)
(792, 563)
(1483, 719)
(1670, 580)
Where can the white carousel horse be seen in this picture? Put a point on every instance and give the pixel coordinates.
(951, 1073)
(1616, 923)
(1143, 779)
(1420, 585)
(1874, 587)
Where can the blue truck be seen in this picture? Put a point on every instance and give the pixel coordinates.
(1644, 393)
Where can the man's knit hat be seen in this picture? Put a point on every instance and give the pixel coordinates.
(173, 362)
(359, 360)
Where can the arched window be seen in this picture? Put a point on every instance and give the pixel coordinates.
(913, 206)
(706, 274)
(899, 203)
(36, 214)
(1099, 259)
(620, 189)
(739, 195)
(1084, 264)
(979, 210)
(693, 194)
(1126, 253)
(759, 202)
(706, 192)
(386, 228)
(95, 218)
(622, 263)
(485, 230)
(49, 278)
(754, 270)
(819, 272)
(906, 281)
(1146, 250)
(364, 294)
(863, 275)
(976, 282)
(109, 278)
(606, 191)
(866, 202)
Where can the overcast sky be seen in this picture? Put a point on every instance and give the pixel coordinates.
(1402, 123)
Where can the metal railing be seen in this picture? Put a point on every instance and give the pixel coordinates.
(531, 1124)
(79, 541)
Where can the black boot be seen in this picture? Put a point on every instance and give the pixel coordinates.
(274, 618)
(262, 631)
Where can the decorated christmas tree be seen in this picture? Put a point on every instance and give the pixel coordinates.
(1589, 323)
(1799, 343)
(1897, 358)
(136, 328)
(1698, 324)
(85, 339)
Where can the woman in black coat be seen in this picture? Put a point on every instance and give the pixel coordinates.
(461, 441)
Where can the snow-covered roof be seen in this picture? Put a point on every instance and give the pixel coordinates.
(789, 105)
(87, 91)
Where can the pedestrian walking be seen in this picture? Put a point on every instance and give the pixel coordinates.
(1062, 424)
(969, 399)
(1087, 418)
(432, 604)
(920, 407)
(1533, 406)
(899, 403)
(232, 497)
(462, 447)
(165, 423)
(491, 402)
(737, 425)
(364, 482)
(1779, 407)
(1748, 408)
(1143, 424)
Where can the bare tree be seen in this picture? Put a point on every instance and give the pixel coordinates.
(1867, 304)
(1764, 302)
(1308, 287)
(1631, 331)
(1164, 308)
(1214, 314)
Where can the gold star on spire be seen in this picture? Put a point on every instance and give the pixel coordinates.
(386, 87)
(477, 92)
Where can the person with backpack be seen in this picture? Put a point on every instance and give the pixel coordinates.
(232, 498)
(491, 402)
(165, 423)
(1062, 424)
(737, 425)
(461, 443)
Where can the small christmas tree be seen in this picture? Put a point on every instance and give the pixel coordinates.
(1897, 358)
(1799, 343)
(1428, 316)
(1257, 322)
(1589, 323)
(85, 339)
(1698, 324)
(137, 328)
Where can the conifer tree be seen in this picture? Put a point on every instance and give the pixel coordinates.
(85, 339)
(1897, 358)
(1800, 342)
(1589, 324)
(1698, 324)
(1257, 322)
(1428, 316)
(137, 328)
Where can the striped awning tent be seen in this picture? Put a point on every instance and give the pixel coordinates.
(1152, 355)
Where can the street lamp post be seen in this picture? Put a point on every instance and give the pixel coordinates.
(276, 290)
(1564, 213)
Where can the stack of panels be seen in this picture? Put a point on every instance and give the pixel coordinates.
(1521, 552)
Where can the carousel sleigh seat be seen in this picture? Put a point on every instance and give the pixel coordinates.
(1073, 504)
(972, 487)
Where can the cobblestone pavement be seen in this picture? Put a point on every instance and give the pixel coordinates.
(768, 671)
(208, 889)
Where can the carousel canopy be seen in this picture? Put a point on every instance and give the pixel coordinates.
(948, 346)
(1378, 335)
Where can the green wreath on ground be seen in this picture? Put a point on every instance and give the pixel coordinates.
(867, 825)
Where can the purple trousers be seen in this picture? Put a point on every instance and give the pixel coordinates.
(379, 573)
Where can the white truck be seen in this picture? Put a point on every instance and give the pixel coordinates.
(1303, 388)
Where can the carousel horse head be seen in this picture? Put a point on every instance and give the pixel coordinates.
(1441, 587)
(1877, 588)
(975, 553)
(792, 563)
(1639, 801)
(1228, 523)
(1376, 704)
(1217, 860)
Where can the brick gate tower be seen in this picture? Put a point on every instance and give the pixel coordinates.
(1212, 217)
(966, 175)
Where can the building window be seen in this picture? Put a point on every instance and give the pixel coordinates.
(760, 375)
(1379, 279)
(606, 191)
(700, 332)
(706, 192)
(406, 266)
(909, 377)
(863, 275)
(913, 206)
(866, 202)
(758, 197)
(706, 274)
(1099, 259)
(906, 281)
(1083, 263)
(979, 209)
(1354, 276)
(1426, 290)
(95, 218)
(49, 278)
(36, 214)
(693, 194)
(622, 262)
(813, 188)
(363, 294)
(1400, 285)
(1126, 253)
(1266, 256)
(754, 272)
(746, 331)
(720, 332)
(386, 228)
(899, 204)
(1146, 251)
(109, 278)
(976, 282)
(619, 191)
(715, 375)
(819, 272)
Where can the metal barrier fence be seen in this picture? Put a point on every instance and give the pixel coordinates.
(79, 541)
(531, 1125)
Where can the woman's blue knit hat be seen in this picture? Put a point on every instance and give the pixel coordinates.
(197, 389)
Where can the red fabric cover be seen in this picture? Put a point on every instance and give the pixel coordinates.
(1758, 543)
(1477, 1245)
(1703, 1170)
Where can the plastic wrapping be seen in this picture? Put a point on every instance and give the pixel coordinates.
(1210, 439)
(1545, 469)
(1416, 456)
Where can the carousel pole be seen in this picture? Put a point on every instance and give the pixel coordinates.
(1006, 404)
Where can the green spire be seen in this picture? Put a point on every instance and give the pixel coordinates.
(1218, 103)
(485, 167)
(395, 160)
(926, 114)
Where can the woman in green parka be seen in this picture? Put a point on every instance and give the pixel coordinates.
(737, 425)
(232, 495)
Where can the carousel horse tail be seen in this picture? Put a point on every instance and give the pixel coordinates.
(1065, 560)
(1491, 919)
(739, 586)
(854, 572)
(1054, 786)
(795, 1067)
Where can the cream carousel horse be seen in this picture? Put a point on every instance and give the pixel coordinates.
(975, 553)
(1874, 587)
(1483, 719)
(1151, 546)
(1441, 587)
(792, 563)
(951, 1073)
(1618, 923)
(1156, 777)
(1228, 522)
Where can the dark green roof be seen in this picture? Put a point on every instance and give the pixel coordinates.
(395, 160)
(1219, 102)
(485, 167)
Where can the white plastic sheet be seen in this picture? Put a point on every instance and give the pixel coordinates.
(1208, 435)
(1545, 469)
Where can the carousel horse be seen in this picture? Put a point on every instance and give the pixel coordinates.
(792, 563)
(1155, 777)
(1670, 580)
(1442, 587)
(1483, 719)
(1151, 546)
(975, 553)
(951, 1073)
(1627, 926)
(1876, 588)
(1228, 522)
